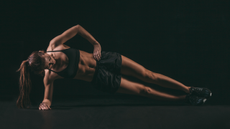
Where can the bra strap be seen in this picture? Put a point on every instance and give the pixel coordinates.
(52, 71)
(55, 51)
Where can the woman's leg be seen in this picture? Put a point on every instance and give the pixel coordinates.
(129, 87)
(131, 68)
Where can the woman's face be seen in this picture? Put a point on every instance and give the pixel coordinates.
(49, 60)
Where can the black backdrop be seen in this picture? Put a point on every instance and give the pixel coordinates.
(186, 40)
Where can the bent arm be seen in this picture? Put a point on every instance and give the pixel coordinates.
(70, 33)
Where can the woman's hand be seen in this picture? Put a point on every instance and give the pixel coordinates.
(44, 106)
(97, 52)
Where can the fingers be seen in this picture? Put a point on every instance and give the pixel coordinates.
(97, 52)
(97, 55)
(43, 106)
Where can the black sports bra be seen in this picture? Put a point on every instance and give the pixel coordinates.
(71, 70)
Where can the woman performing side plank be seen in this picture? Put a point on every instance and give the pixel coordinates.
(102, 69)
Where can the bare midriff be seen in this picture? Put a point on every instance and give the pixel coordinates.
(86, 66)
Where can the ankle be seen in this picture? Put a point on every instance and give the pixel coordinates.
(187, 89)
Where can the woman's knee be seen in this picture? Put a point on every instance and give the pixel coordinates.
(150, 76)
(146, 91)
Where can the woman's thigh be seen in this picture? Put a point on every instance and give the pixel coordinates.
(130, 67)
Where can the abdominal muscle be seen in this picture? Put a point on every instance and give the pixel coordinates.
(86, 66)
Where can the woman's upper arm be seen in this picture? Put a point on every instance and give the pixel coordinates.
(65, 36)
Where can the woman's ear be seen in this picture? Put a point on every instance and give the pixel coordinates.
(42, 52)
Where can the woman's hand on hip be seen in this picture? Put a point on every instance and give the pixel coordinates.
(97, 52)
(44, 106)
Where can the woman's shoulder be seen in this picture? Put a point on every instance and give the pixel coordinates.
(55, 48)
(50, 76)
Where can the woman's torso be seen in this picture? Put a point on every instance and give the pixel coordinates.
(86, 65)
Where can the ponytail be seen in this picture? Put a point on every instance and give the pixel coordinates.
(34, 63)
(24, 85)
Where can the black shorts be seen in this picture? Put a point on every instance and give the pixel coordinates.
(107, 76)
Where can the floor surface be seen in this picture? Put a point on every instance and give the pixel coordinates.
(109, 113)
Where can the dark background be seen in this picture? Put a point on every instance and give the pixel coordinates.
(186, 40)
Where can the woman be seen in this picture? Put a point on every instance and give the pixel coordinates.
(102, 69)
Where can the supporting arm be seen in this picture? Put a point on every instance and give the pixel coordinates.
(48, 93)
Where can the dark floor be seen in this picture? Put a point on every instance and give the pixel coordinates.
(108, 113)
